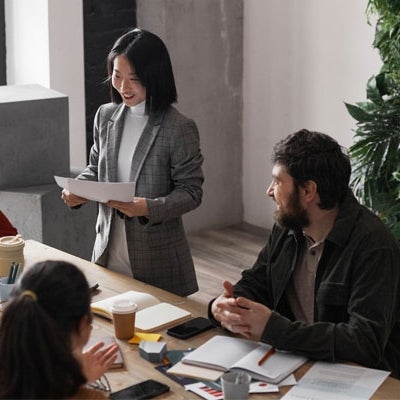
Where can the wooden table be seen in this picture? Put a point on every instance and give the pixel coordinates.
(136, 368)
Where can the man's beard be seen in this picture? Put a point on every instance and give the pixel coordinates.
(294, 217)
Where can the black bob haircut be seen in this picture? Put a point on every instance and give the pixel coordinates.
(149, 56)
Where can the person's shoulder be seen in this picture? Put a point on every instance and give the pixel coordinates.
(86, 393)
(281, 237)
(364, 228)
(172, 116)
(369, 224)
(107, 110)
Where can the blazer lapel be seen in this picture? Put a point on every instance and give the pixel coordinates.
(144, 145)
(114, 135)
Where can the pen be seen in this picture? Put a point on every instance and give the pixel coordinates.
(11, 273)
(15, 272)
(266, 355)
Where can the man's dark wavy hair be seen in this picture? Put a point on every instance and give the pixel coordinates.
(314, 156)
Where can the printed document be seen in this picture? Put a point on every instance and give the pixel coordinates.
(98, 191)
(329, 381)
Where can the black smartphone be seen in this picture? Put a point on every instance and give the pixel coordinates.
(190, 328)
(143, 390)
(93, 286)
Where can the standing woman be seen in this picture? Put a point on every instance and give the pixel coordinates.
(44, 327)
(140, 137)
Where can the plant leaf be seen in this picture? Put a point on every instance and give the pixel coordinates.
(373, 93)
(357, 113)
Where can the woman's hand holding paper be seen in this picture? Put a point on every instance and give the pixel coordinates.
(136, 208)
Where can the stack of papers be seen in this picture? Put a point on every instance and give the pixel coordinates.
(98, 191)
(328, 381)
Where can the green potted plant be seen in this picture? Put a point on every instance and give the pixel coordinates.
(375, 153)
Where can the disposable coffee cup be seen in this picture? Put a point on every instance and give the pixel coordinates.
(123, 313)
(11, 250)
(236, 385)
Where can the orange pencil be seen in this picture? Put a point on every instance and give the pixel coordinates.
(266, 355)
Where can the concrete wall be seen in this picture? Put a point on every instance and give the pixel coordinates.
(205, 43)
(35, 135)
(204, 39)
(302, 61)
(3, 76)
(44, 40)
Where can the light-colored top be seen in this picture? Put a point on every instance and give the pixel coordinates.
(301, 289)
(135, 121)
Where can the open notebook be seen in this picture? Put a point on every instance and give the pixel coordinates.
(224, 353)
(152, 315)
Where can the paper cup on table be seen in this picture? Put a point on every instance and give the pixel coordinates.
(236, 385)
(11, 250)
(5, 289)
(123, 312)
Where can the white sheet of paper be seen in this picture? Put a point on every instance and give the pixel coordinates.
(262, 387)
(288, 381)
(205, 391)
(327, 381)
(98, 191)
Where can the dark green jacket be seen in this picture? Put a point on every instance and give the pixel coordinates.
(357, 292)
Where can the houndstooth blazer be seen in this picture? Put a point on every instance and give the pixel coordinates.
(166, 167)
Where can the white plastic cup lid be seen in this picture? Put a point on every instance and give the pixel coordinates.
(123, 306)
(12, 242)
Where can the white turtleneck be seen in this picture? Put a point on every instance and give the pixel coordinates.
(135, 121)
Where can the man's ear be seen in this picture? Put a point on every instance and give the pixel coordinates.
(310, 190)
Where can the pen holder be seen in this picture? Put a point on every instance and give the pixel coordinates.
(11, 250)
(5, 289)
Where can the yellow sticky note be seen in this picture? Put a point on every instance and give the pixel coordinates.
(151, 337)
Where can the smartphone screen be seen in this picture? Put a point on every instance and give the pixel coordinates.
(190, 328)
(143, 390)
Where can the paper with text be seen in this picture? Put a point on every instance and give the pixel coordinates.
(328, 381)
